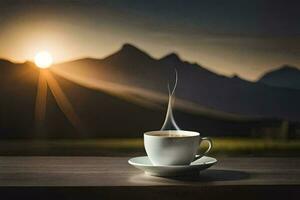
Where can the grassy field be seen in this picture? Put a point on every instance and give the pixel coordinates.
(125, 147)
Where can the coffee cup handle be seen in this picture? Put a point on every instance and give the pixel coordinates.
(210, 145)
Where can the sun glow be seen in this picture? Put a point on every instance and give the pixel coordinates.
(43, 59)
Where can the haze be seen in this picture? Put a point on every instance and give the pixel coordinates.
(229, 37)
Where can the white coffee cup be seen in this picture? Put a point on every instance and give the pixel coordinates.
(174, 147)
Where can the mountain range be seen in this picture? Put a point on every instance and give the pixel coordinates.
(132, 66)
(284, 77)
(125, 94)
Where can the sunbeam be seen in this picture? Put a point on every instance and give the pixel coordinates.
(63, 102)
(136, 95)
(41, 99)
(145, 97)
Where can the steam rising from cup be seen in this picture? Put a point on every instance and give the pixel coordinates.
(170, 123)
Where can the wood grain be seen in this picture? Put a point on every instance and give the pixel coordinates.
(234, 175)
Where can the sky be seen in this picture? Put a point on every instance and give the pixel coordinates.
(243, 37)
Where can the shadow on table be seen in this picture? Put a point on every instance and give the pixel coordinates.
(214, 175)
(205, 176)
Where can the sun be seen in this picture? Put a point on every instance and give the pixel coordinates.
(43, 59)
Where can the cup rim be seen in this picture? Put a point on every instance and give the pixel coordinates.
(187, 134)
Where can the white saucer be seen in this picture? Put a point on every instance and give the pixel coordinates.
(143, 163)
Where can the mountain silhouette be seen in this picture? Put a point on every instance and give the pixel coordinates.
(196, 84)
(125, 94)
(285, 76)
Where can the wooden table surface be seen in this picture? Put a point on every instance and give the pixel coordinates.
(113, 176)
